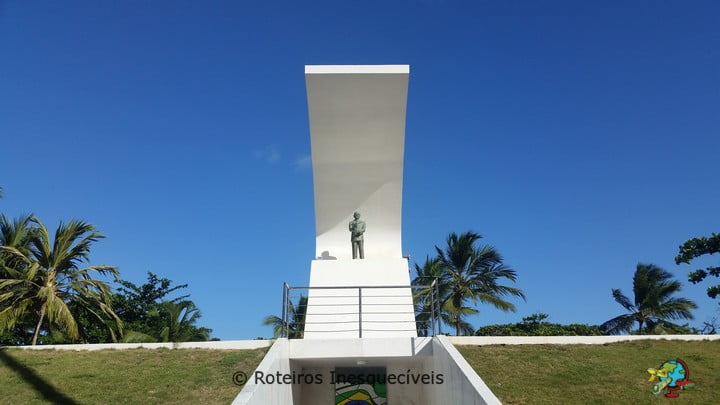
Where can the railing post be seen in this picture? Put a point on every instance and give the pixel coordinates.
(285, 311)
(439, 310)
(360, 311)
(432, 306)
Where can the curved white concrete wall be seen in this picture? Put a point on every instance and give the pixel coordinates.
(357, 132)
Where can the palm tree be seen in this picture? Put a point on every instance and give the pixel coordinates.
(653, 305)
(296, 320)
(178, 320)
(175, 322)
(52, 279)
(17, 234)
(426, 274)
(471, 273)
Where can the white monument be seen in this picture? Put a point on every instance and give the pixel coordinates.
(357, 132)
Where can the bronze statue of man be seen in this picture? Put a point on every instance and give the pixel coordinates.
(357, 228)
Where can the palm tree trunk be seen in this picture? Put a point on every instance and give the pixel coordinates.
(457, 301)
(37, 327)
(640, 323)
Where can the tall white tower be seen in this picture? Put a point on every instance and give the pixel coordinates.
(357, 132)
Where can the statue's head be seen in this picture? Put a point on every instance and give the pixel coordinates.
(356, 215)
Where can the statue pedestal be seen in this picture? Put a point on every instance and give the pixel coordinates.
(385, 312)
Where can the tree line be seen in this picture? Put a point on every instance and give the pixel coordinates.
(50, 294)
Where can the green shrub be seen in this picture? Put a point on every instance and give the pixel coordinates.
(535, 325)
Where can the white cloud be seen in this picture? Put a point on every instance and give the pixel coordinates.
(303, 162)
(270, 154)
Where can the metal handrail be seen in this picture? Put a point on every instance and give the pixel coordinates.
(433, 326)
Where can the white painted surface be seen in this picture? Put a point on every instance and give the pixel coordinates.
(214, 345)
(314, 394)
(462, 384)
(568, 340)
(406, 356)
(357, 133)
(334, 313)
(407, 392)
(399, 355)
(358, 348)
(409, 356)
(276, 360)
(355, 69)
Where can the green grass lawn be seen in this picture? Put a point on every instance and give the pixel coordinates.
(137, 376)
(594, 374)
(523, 374)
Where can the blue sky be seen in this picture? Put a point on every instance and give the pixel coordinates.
(579, 139)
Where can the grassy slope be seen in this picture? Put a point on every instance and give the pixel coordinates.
(531, 374)
(586, 374)
(139, 376)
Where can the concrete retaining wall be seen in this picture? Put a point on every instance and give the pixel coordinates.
(461, 383)
(567, 340)
(276, 360)
(215, 345)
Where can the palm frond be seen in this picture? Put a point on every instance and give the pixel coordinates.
(675, 308)
(496, 302)
(622, 299)
(132, 336)
(619, 324)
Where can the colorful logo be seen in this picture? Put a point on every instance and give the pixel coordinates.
(672, 376)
